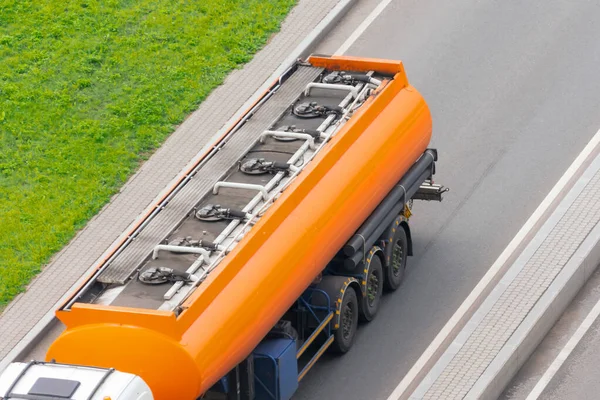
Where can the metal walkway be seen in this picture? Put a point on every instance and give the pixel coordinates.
(207, 214)
(204, 180)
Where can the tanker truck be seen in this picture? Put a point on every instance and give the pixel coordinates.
(263, 255)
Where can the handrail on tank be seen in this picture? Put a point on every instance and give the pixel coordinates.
(196, 302)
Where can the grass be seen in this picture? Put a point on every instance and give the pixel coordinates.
(90, 88)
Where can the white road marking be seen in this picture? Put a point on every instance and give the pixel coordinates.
(565, 352)
(363, 27)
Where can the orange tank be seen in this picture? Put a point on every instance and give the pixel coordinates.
(181, 355)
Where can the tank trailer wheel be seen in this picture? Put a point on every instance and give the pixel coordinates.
(345, 334)
(372, 288)
(397, 252)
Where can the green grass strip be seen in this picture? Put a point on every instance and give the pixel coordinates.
(87, 90)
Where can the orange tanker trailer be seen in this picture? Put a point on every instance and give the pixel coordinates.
(271, 247)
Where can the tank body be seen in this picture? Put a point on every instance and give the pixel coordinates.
(182, 356)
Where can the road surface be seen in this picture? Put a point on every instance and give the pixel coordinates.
(578, 376)
(514, 94)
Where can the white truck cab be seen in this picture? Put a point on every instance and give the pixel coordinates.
(53, 381)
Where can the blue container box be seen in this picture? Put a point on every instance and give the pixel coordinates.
(275, 369)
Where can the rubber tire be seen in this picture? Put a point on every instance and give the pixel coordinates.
(392, 281)
(340, 344)
(367, 313)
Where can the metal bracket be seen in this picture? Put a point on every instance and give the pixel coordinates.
(329, 86)
(180, 249)
(430, 192)
(305, 136)
(191, 270)
(236, 185)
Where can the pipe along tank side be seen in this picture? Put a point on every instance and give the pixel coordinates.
(181, 355)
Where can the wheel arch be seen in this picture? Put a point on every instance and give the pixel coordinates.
(375, 251)
(406, 227)
(336, 286)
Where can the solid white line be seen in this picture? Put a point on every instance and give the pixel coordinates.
(450, 326)
(362, 27)
(565, 352)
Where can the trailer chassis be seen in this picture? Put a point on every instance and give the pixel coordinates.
(318, 321)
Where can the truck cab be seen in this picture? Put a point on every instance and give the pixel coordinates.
(53, 381)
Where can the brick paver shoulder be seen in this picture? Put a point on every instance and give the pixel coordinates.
(68, 266)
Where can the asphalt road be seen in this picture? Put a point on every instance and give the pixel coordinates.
(578, 376)
(514, 93)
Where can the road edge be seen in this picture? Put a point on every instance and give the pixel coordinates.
(542, 317)
(411, 381)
